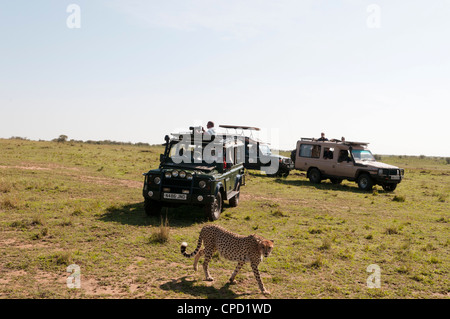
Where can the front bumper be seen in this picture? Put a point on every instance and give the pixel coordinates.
(178, 198)
(286, 163)
(389, 176)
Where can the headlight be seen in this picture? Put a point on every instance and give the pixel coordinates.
(157, 180)
(175, 173)
(202, 184)
(189, 176)
(182, 174)
(167, 175)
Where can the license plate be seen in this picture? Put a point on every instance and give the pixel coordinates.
(395, 176)
(175, 196)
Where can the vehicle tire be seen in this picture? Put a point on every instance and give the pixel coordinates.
(234, 201)
(280, 173)
(214, 209)
(389, 187)
(336, 180)
(152, 208)
(314, 176)
(365, 182)
(285, 173)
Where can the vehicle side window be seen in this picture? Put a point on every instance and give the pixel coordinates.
(230, 155)
(239, 154)
(307, 150)
(343, 156)
(328, 153)
(252, 150)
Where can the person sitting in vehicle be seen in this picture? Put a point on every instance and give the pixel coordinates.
(343, 156)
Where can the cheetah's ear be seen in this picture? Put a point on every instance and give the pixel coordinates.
(271, 240)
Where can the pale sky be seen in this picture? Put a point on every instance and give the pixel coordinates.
(372, 71)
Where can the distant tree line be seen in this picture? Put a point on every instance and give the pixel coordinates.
(64, 138)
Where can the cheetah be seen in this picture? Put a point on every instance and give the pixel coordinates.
(233, 247)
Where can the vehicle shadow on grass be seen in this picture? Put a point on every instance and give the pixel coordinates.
(323, 185)
(134, 214)
(190, 286)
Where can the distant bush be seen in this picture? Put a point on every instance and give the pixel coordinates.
(61, 139)
(447, 160)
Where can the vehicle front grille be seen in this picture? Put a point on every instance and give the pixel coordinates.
(390, 171)
(176, 182)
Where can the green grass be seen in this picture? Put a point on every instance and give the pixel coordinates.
(77, 203)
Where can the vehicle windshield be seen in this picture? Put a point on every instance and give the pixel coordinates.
(265, 149)
(182, 153)
(362, 155)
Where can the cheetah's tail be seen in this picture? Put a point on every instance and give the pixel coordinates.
(195, 252)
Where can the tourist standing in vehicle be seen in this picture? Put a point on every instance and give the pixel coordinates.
(211, 130)
(322, 137)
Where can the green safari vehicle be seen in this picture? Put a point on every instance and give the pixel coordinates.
(196, 169)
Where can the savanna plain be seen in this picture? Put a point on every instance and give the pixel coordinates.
(73, 203)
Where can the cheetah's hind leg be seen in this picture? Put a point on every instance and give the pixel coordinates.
(200, 253)
(238, 267)
(208, 255)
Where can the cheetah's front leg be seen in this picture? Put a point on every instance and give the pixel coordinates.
(258, 279)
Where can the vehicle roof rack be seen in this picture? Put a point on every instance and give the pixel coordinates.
(241, 127)
(334, 140)
(355, 143)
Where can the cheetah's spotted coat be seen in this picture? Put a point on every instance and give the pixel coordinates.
(234, 247)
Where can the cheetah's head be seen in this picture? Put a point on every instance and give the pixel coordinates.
(265, 247)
